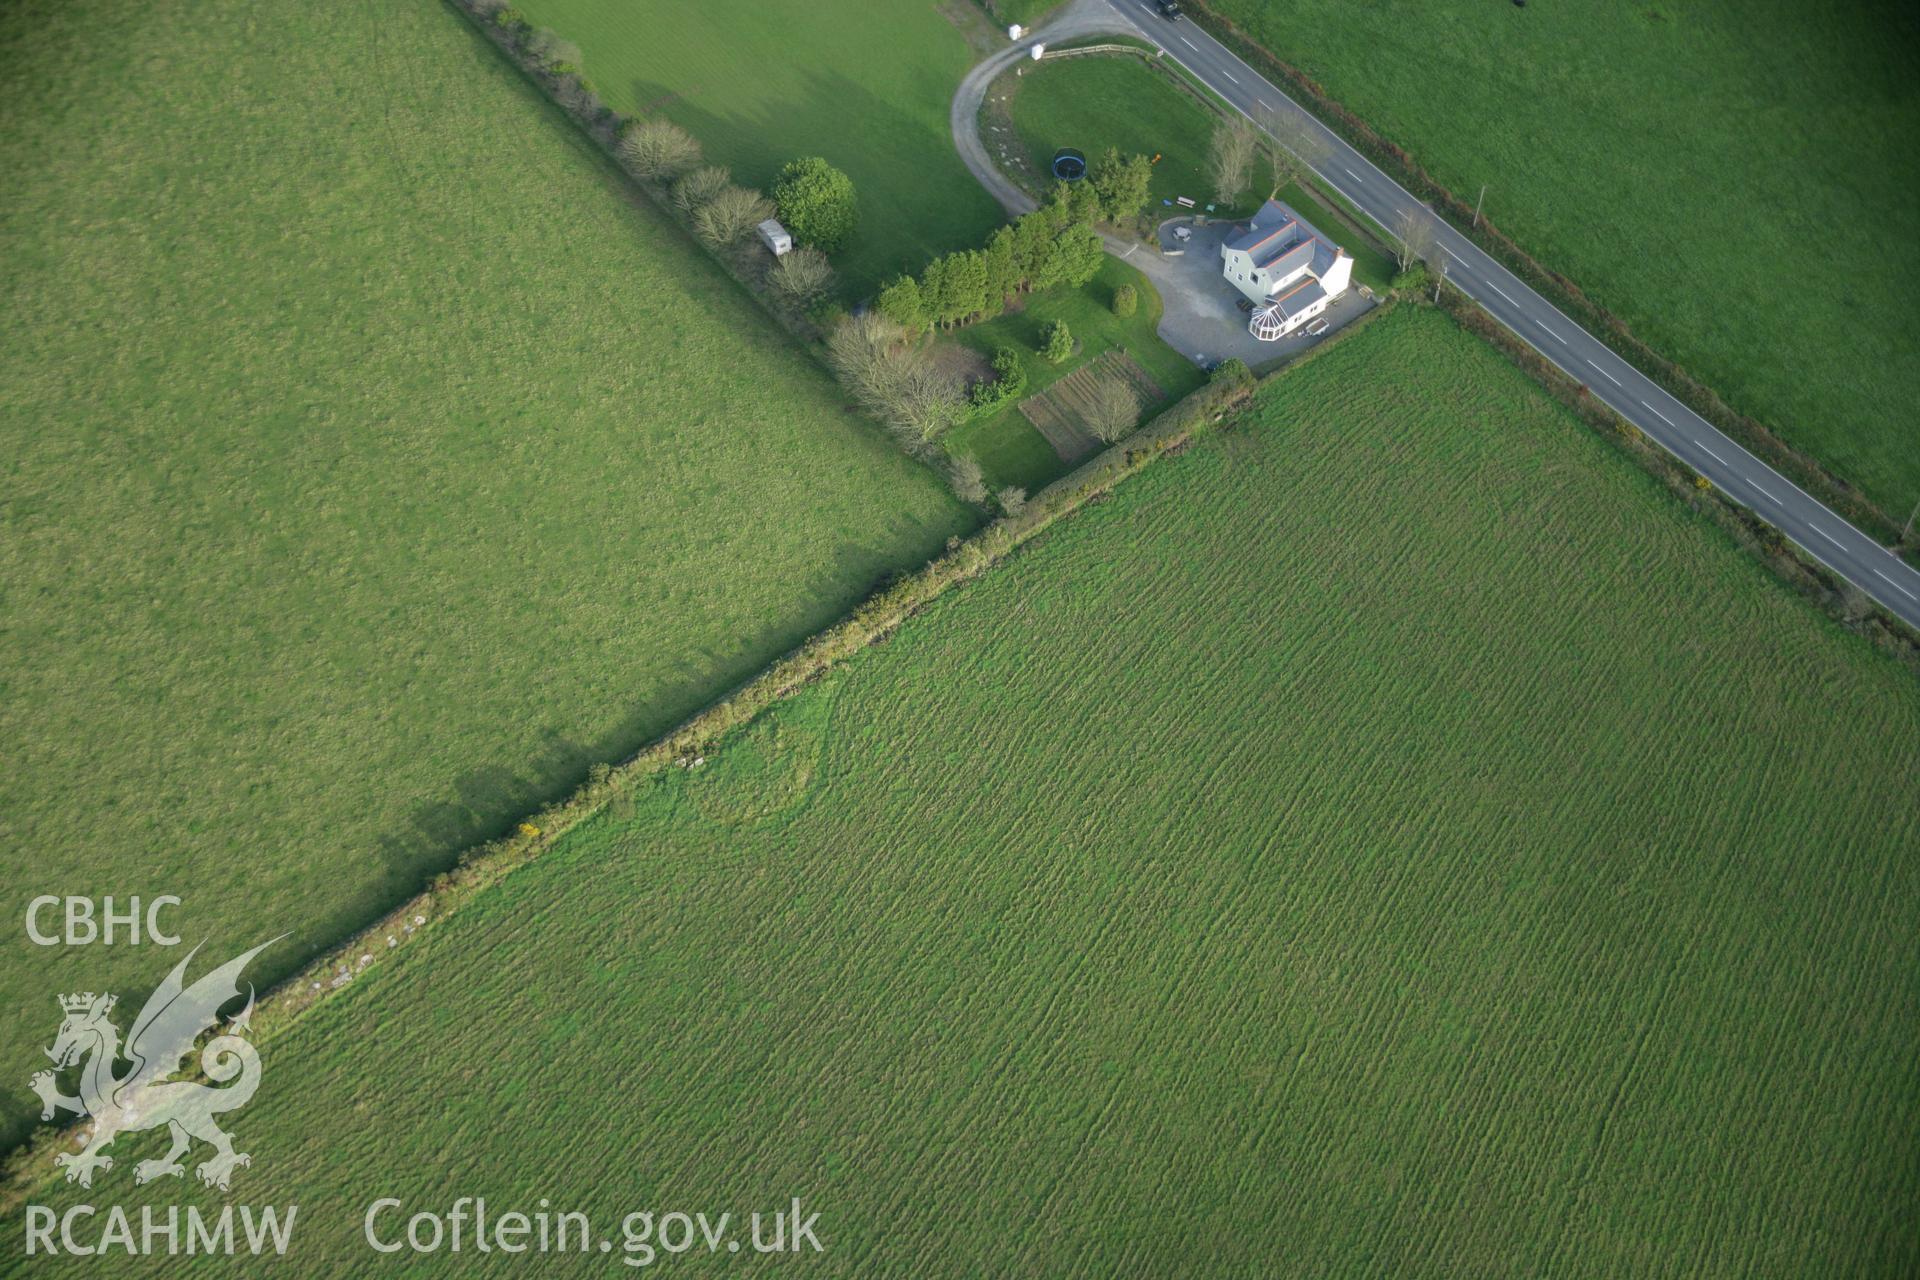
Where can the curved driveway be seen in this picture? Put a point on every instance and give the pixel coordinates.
(1829, 539)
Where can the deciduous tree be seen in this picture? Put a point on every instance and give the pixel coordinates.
(1290, 143)
(816, 202)
(731, 216)
(1415, 231)
(1114, 411)
(658, 149)
(555, 54)
(969, 481)
(697, 186)
(1230, 157)
(801, 275)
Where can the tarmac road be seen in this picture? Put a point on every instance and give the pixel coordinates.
(1829, 539)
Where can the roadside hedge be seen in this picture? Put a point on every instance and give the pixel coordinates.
(1851, 608)
(1558, 289)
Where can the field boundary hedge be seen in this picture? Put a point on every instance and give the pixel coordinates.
(1849, 606)
(576, 98)
(1750, 432)
(482, 866)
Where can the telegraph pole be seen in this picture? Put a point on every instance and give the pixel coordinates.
(1477, 203)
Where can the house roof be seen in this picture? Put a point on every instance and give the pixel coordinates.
(1299, 298)
(1279, 240)
(1264, 236)
(1288, 260)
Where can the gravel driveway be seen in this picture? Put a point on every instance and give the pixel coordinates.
(1202, 319)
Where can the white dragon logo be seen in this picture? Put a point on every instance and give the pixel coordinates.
(170, 1023)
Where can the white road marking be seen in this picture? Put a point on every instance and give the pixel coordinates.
(1829, 537)
(1264, 104)
(1228, 74)
(1350, 173)
(1896, 586)
(1669, 421)
(1710, 453)
(1503, 293)
(1544, 325)
(1765, 492)
(1190, 44)
(1603, 373)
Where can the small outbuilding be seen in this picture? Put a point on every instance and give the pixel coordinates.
(775, 237)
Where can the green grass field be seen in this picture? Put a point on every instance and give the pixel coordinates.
(1393, 838)
(1007, 447)
(762, 81)
(1732, 179)
(373, 464)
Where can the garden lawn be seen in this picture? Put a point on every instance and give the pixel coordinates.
(1006, 445)
(1096, 102)
(760, 82)
(1733, 179)
(1120, 102)
(374, 464)
(1391, 838)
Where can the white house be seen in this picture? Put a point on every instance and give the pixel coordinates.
(775, 237)
(1290, 271)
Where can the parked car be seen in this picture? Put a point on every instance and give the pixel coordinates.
(1169, 9)
(1316, 327)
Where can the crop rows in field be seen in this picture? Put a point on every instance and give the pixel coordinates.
(1391, 838)
(1061, 412)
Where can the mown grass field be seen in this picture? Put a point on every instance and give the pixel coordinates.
(1005, 444)
(373, 465)
(760, 82)
(1735, 180)
(1391, 839)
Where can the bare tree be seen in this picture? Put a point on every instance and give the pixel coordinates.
(1289, 143)
(928, 403)
(731, 216)
(550, 50)
(697, 186)
(1012, 499)
(860, 350)
(1114, 411)
(801, 275)
(1438, 261)
(893, 381)
(658, 149)
(1230, 156)
(969, 481)
(1418, 239)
